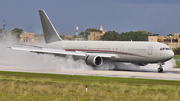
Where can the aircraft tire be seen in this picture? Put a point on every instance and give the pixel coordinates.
(160, 70)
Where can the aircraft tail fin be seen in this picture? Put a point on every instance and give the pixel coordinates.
(50, 33)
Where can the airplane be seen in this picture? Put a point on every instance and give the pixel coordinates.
(95, 53)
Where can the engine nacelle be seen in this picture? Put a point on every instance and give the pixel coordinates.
(141, 64)
(94, 60)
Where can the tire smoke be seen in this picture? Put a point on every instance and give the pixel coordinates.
(23, 60)
(33, 61)
(129, 66)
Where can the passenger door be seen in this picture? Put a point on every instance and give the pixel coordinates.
(150, 50)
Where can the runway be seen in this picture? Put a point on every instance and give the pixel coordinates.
(171, 74)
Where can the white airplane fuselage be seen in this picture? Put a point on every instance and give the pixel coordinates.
(125, 51)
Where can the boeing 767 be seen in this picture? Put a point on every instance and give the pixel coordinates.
(95, 53)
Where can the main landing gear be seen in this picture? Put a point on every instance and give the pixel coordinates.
(160, 69)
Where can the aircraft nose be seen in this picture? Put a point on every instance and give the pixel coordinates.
(171, 54)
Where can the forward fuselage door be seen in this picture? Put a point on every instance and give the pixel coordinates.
(150, 50)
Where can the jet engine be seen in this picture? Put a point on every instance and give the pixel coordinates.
(141, 64)
(94, 60)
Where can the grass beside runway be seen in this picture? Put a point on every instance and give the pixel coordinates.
(35, 86)
(176, 56)
(177, 62)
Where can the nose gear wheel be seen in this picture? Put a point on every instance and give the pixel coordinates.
(160, 69)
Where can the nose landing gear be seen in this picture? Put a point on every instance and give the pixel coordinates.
(160, 69)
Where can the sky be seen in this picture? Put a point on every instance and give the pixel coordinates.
(156, 16)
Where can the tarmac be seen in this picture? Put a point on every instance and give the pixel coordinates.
(170, 74)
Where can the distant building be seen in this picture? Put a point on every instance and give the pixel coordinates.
(95, 36)
(171, 41)
(67, 37)
(101, 29)
(27, 38)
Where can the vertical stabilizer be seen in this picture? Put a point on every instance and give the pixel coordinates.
(50, 33)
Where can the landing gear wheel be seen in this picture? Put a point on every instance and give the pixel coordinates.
(160, 69)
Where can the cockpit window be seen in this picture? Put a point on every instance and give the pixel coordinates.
(165, 49)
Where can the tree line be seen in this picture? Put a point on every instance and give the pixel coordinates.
(13, 34)
(115, 36)
(16, 32)
(140, 35)
(126, 36)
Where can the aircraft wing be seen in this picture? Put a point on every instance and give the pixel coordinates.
(63, 52)
(37, 46)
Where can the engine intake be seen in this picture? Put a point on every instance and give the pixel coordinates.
(94, 60)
